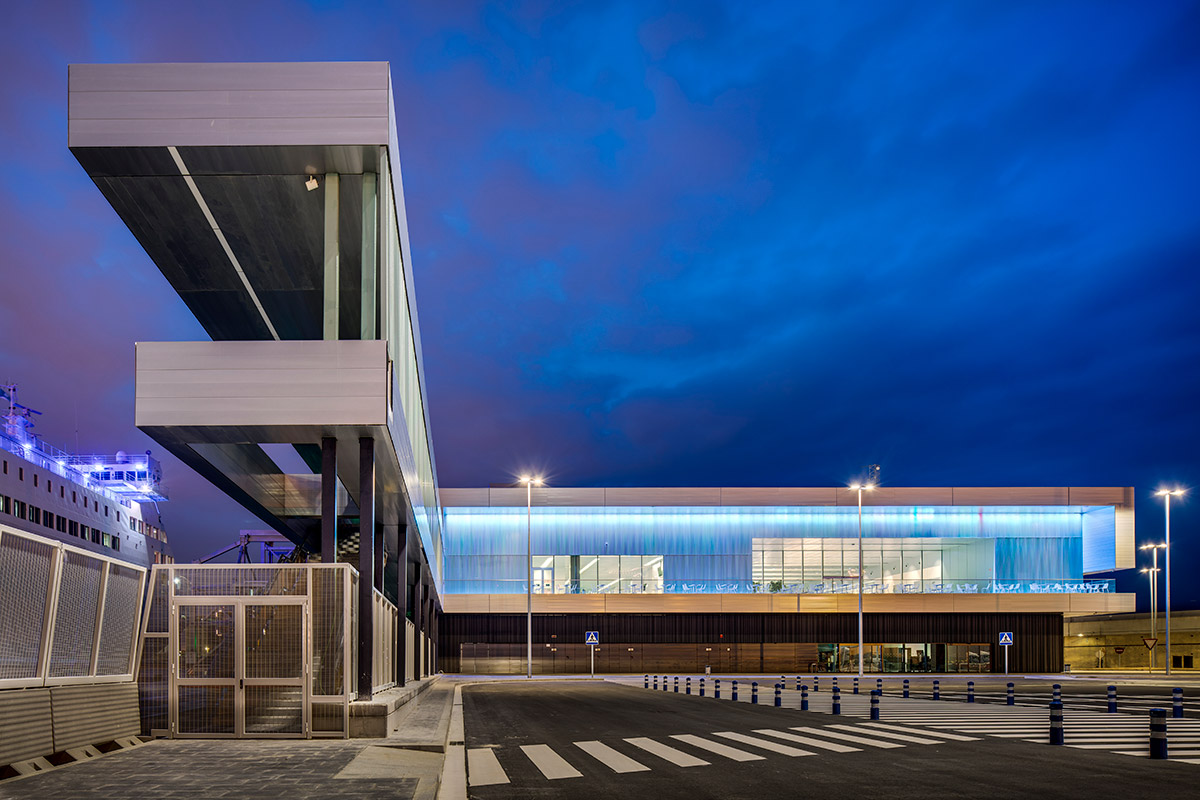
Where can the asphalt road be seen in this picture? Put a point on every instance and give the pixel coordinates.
(583, 732)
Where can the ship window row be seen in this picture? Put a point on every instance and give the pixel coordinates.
(57, 522)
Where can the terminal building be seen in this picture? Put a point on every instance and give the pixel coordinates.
(767, 579)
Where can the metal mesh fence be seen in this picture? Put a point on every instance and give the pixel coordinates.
(206, 641)
(24, 585)
(75, 618)
(224, 582)
(122, 596)
(274, 709)
(206, 709)
(152, 683)
(353, 633)
(274, 641)
(328, 717)
(160, 606)
(328, 631)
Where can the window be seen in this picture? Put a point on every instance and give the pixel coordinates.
(106, 511)
(48, 519)
(73, 528)
(6, 466)
(95, 536)
(35, 515)
(35, 480)
(116, 543)
(49, 486)
(74, 498)
(62, 491)
(61, 524)
(83, 532)
(20, 509)
(96, 506)
(5, 504)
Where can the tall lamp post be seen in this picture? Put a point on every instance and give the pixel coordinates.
(860, 488)
(529, 482)
(1167, 494)
(1152, 573)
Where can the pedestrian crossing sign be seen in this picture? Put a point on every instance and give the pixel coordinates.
(592, 637)
(1006, 637)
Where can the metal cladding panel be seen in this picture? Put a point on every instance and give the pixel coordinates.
(1011, 496)
(900, 496)
(542, 497)
(1126, 557)
(663, 497)
(467, 498)
(261, 383)
(91, 714)
(778, 496)
(1101, 496)
(25, 725)
(159, 105)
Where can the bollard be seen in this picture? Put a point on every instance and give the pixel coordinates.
(879, 684)
(754, 693)
(1056, 722)
(835, 682)
(702, 687)
(837, 700)
(779, 695)
(906, 688)
(1158, 733)
(875, 693)
(937, 690)
(1057, 690)
(804, 697)
(1177, 703)
(856, 685)
(1112, 699)
(1011, 700)
(664, 683)
(676, 684)
(656, 683)
(716, 688)
(816, 683)
(734, 693)
(797, 683)
(970, 691)
(645, 681)
(687, 687)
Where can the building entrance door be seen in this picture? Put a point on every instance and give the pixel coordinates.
(240, 668)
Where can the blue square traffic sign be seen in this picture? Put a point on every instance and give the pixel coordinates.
(1006, 637)
(592, 637)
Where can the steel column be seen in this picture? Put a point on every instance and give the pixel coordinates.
(329, 510)
(332, 256)
(366, 565)
(369, 246)
(402, 604)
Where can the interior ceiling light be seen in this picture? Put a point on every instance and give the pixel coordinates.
(311, 183)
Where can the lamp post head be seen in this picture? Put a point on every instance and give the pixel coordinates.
(861, 487)
(1177, 492)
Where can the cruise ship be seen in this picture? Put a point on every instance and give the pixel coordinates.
(107, 504)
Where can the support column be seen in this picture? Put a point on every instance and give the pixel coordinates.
(428, 632)
(366, 563)
(370, 218)
(329, 510)
(402, 603)
(332, 253)
(380, 557)
(418, 587)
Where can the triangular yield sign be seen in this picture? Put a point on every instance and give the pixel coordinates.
(1149, 642)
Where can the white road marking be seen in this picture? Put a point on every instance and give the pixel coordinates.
(791, 737)
(847, 738)
(889, 735)
(940, 734)
(616, 761)
(550, 763)
(765, 744)
(484, 768)
(718, 748)
(667, 753)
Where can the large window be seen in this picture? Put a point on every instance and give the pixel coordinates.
(597, 574)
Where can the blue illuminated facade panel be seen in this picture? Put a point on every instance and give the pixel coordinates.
(803, 550)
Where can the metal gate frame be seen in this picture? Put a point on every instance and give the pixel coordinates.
(239, 681)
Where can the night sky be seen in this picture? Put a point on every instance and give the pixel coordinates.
(700, 244)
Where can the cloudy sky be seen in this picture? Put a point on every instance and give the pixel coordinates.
(700, 243)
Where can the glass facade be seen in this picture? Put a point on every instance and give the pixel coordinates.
(802, 550)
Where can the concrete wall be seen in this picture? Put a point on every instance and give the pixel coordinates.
(1091, 642)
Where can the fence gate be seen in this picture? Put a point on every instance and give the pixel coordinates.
(240, 667)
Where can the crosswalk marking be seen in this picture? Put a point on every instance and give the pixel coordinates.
(774, 747)
(845, 737)
(717, 748)
(667, 753)
(617, 762)
(953, 737)
(890, 735)
(484, 768)
(549, 763)
(791, 737)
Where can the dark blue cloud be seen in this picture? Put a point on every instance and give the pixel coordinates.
(708, 243)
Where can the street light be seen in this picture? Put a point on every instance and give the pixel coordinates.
(529, 482)
(1152, 573)
(1167, 494)
(860, 488)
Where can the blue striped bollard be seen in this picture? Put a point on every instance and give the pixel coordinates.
(1112, 699)
(1056, 689)
(970, 691)
(837, 700)
(645, 681)
(779, 695)
(754, 693)
(716, 688)
(1158, 733)
(804, 697)
(664, 683)
(875, 693)
(856, 685)
(1011, 698)
(687, 685)
(656, 683)
(676, 684)
(816, 683)
(835, 682)
(734, 693)
(879, 684)
(702, 687)
(1056, 722)
(906, 688)
(937, 690)
(1177, 703)
(797, 683)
